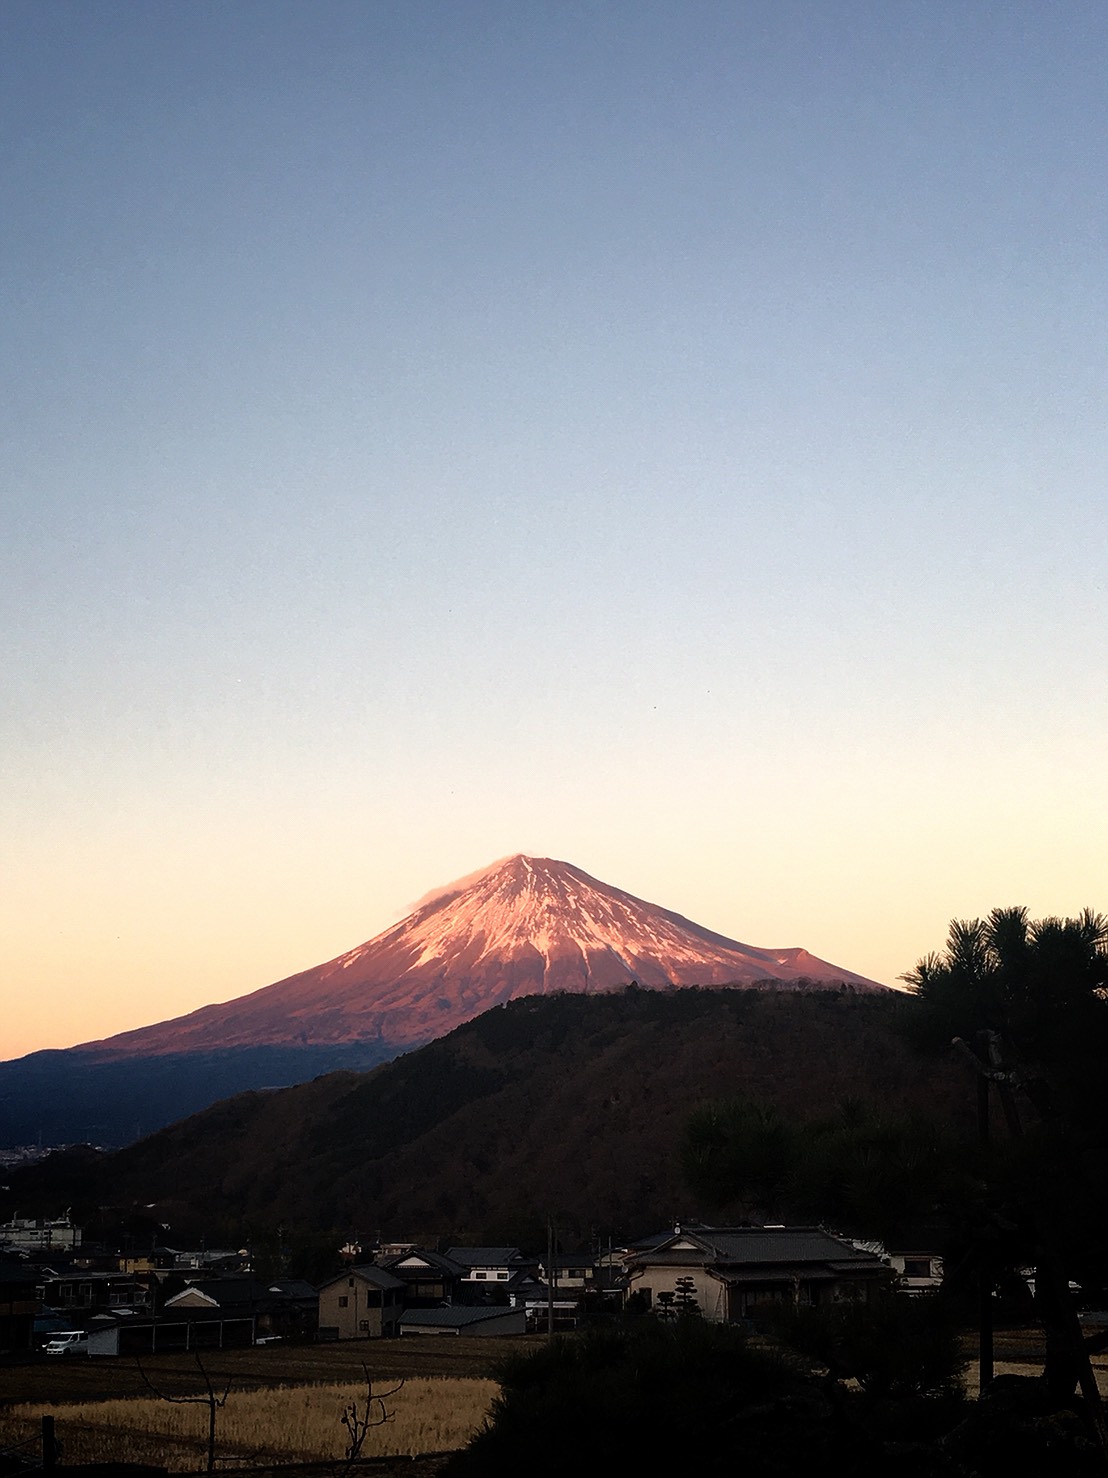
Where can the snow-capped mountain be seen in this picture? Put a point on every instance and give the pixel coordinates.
(523, 926)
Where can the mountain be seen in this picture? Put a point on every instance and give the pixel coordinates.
(523, 926)
(568, 1105)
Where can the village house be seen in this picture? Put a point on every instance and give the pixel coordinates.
(159, 1262)
(364, 1302)
(430, 1279)
(917, 1272)
(285, 1308)
(85, 1292)
(25, 1234)
(489, 1264)
(736, 1273)
(492, 1274)
(547, 1307)
(569, 1270)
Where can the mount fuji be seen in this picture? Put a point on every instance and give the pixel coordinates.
(522, 926)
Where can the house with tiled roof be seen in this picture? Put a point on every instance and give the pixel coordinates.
(569, 1269)
(284, 1307)
(490, 1264)
(364, 1302)
(430, 1278)
(492, 1274)
(736, 1273)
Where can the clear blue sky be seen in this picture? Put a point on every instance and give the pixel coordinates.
(666, 436)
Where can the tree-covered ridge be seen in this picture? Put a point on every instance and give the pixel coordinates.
(567, 1105)
(880, 1172)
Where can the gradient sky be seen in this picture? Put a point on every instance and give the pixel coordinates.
(670, 437)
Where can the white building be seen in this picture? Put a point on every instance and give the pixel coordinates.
(39, 1235)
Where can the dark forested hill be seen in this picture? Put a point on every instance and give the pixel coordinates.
(523, 926)
(569, 1105)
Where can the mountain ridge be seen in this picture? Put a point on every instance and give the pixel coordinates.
(569, 1104)
(521, 926)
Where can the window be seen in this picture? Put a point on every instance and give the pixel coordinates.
(917, 1267)
(363, 1324)
(502, 1275)
(343, 1301)
(480, 1275)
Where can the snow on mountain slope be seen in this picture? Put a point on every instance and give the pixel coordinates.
(523, 926)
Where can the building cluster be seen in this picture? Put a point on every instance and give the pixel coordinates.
(19, 1156)
(52, 1283)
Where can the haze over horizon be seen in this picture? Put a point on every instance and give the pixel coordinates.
(664, 437)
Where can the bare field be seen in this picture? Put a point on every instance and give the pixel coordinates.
(296, 1424)
(450, 1375)
(79, 1379)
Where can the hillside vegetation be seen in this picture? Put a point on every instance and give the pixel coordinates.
(571, 1106)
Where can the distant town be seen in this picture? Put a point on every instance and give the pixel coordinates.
(63, 1294)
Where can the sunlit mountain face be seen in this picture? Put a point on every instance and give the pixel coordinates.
(523, 926)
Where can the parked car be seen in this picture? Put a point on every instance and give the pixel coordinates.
(69, 1342)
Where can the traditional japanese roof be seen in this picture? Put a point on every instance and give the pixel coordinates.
(486, 1257)
(369, 1273)
(646, 1244)
(787, 1248)
(296, 1288)
(432, 1261)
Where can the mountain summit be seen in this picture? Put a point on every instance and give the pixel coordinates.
(523, 926)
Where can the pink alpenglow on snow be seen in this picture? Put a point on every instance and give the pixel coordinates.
(524, 926)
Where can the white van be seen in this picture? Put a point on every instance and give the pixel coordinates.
(69, 1342)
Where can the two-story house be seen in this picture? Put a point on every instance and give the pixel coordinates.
(430, 1278)
(491, 1274)
(364, 1302)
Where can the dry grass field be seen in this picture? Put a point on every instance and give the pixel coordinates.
(284, 1400)
(287, 1424)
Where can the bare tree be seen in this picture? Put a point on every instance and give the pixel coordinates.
(207, 1398)
(372, 1412)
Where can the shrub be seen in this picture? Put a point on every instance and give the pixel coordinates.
(649, 1398)
(893, 1346)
